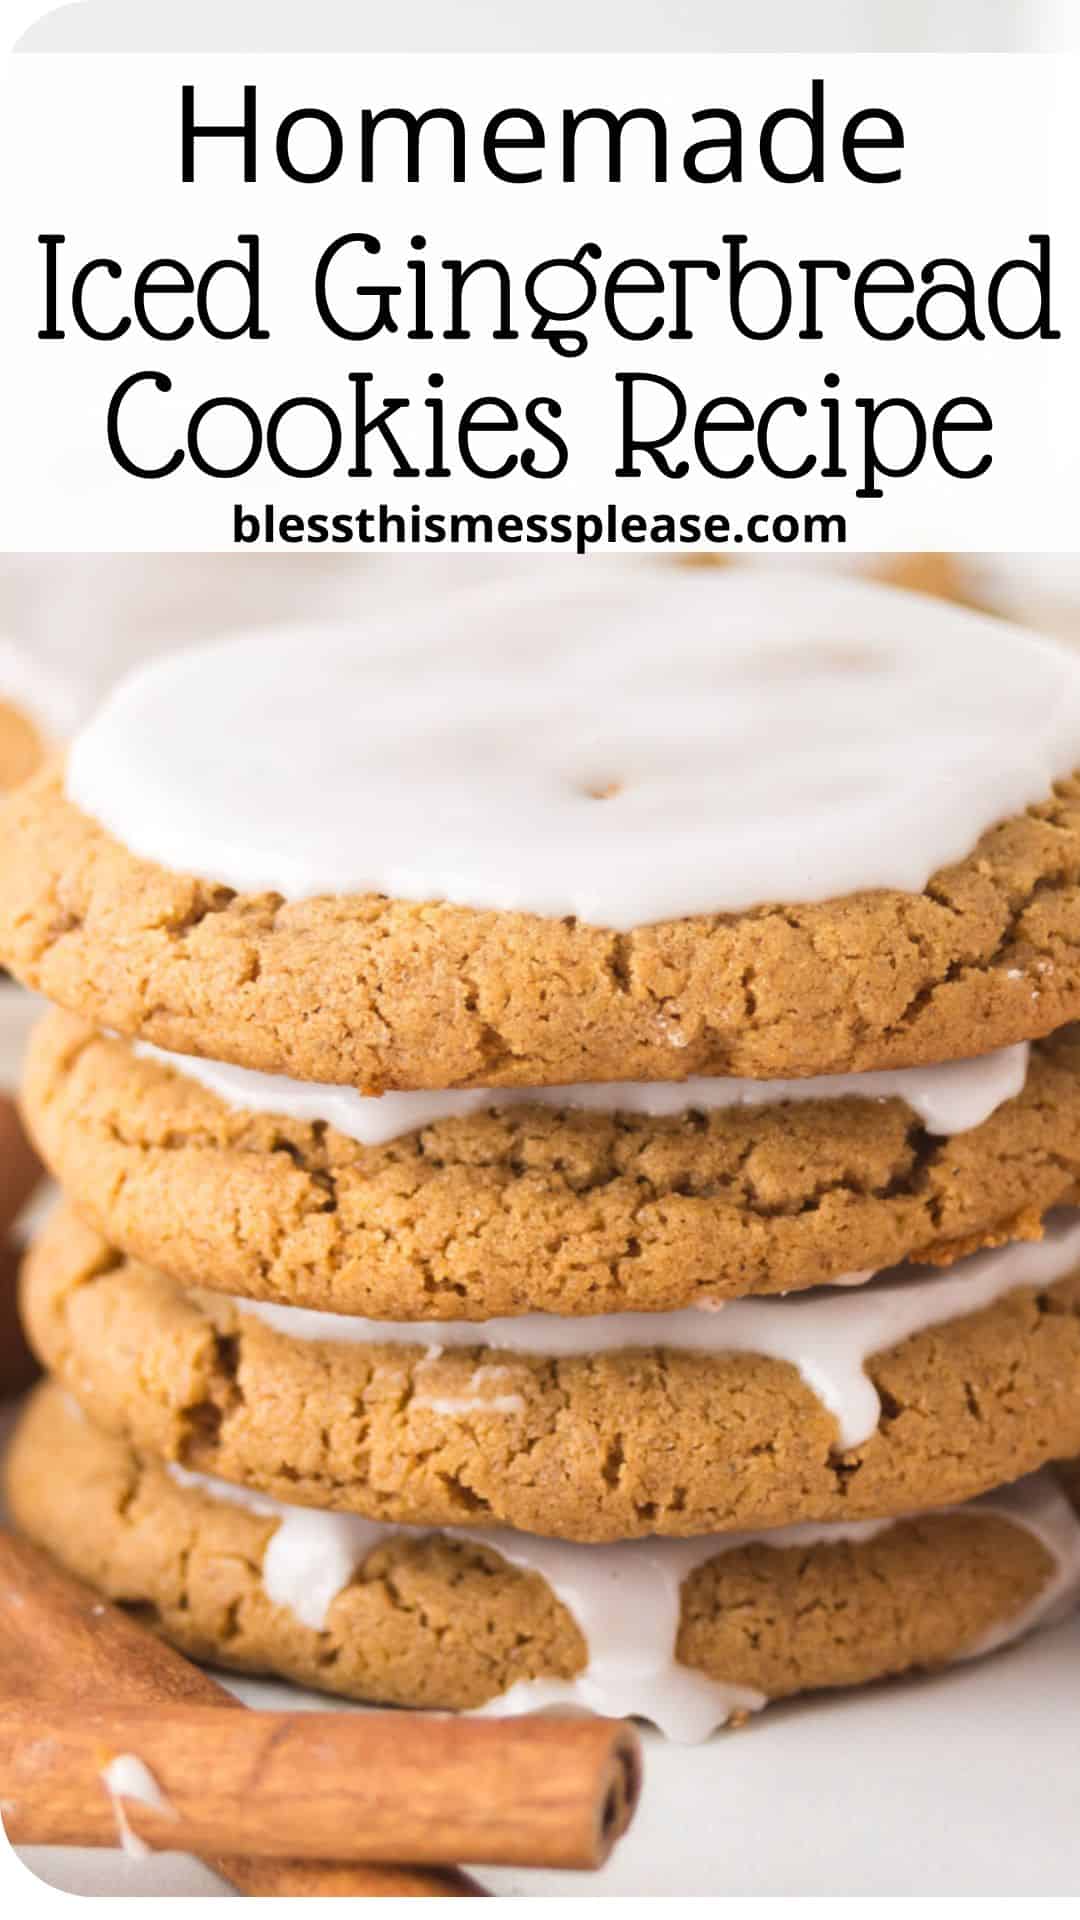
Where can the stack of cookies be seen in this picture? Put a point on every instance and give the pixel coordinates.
(568, 1124)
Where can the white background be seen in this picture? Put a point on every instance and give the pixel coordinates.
(844, 26)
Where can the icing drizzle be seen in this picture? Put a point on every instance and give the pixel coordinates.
(624, 1598)
(128, 1778)
(828, 1334)
(948, 1099)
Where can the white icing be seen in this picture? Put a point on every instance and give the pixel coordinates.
(452, 1408)
(624, 1598)
(475, 1400)
(948, 1099)
(129, 1778)
(626, 744)
(828, 1334)
(310, 1557)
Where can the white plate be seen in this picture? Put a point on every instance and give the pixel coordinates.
(963, 1783)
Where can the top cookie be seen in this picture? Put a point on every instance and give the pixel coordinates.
(658, 825)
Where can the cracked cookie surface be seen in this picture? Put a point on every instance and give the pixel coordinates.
(530, 1208)
(378, 993)
(440, 1623)
(603, 1446)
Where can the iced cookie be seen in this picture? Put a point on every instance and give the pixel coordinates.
(918, 1389)
(574, 1200)
(653, 824)
(687, 1634)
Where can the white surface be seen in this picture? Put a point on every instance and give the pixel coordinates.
(766, 735)
(963, 1784)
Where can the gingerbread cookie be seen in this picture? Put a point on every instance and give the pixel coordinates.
(917, 1390)
(689, 1635)
(454, 1209)
(655, 824)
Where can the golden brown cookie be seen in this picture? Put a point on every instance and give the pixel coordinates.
(376, 993)
(598, 1445)
(533, 1208)
(22, 748)
(433, 1622)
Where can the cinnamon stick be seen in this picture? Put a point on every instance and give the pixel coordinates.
(58, 1639)
(530, 1791)
(538, 1792)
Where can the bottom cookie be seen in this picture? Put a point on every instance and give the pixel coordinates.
(689, 1634)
